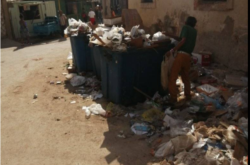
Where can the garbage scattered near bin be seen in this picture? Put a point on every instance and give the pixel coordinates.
(211, 128)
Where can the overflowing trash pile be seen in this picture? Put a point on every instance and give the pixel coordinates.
(211, 128)
(119, 40)
(116, 37)
(76, 27)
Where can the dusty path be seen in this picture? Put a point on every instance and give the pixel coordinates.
(55, 132)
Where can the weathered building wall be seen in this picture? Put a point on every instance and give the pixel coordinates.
(223, 32)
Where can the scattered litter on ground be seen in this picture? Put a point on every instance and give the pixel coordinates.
(35, 96)
(58, 82)
(37, 59)
(121, 135)
(73, 102)
(211, 128)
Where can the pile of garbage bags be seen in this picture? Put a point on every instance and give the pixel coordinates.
(76, 27)
(116, 37)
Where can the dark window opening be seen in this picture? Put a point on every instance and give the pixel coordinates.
(147, 1)
(30, 12)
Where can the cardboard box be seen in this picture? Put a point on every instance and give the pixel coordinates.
(203, 59)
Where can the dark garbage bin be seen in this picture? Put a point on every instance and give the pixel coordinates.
(96, 54)
(122, 71)
(81, 53)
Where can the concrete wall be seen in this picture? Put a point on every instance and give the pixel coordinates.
(225, 32)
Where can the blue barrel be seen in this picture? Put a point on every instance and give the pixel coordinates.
(96, 54)
(81, 53)
(122, 71)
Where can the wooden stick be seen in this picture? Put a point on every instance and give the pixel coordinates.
(147, 96)
(99, 39)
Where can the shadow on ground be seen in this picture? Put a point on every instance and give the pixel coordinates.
(7, 43)
(133, 149)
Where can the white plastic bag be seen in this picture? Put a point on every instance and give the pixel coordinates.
(95, 109)
(159, 37)
(134, 31)
(117, 38)
(70, 56)
(77, 80)
(99, 31)
(169, 121)
(87, 113)
(73, 23)
(202, 142)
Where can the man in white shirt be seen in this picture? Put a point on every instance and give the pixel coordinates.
(92, 16)
(63, 22)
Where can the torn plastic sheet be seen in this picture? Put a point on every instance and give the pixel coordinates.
(169, 121)
(94, 95)
(164, 150)
(177, 127)
(207, 89)
(183, 142)
(182, 128)
(238, 100)
(243, 124)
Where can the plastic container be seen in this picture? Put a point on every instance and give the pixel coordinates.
(81, 53)
(122, 71)
(96, 54)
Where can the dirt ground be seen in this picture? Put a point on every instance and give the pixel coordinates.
(53, 131)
